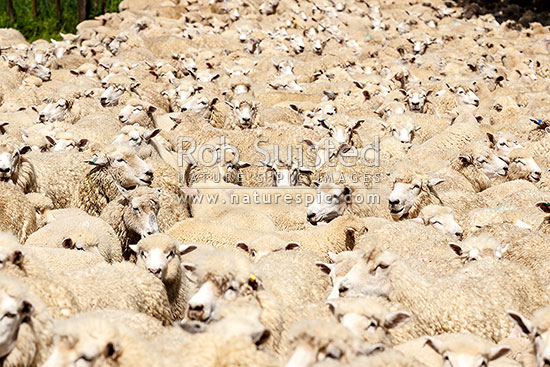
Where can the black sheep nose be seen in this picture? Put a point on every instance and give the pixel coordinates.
(394, 202)
(5, 170)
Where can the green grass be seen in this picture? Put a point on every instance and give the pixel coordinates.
(46, 26)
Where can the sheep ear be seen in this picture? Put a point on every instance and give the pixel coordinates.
(325, 268)
(435, 181)
(97, 160)
(331, 306)
(544, 206)
(151, 108)
(466, 159)
(497, 352)
(18, 257)
(25, 149)
(418, 220)
(184, 249)
(396, 319)
(50, 139)
(429, 92)
(134, 248)
(435, 344)
(491, 138)
(522, 322)
(292, 246)
(357, 124)
(67, 243)
(386, 259)
(243, 164)
(82, 143)
(27, 309)
(150, 134)
(456, 248)
(112, 351)
(189, 266)
(243, 246)
(369, 349)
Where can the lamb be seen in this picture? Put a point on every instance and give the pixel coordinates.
(133, 215)
(402, 127)
(79, 232)
(14, 167)
(17, 212)
(116, 165)
(89, 338)
(245, 109)
(28, 335)
(380, 273)
(160, 255)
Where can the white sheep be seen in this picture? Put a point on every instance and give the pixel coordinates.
(17, 212)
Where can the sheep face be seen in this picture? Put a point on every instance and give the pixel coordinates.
(442, 219)
(54, 111)
(204, 304)
(416, 99)
(246, 113)
(269, 7)
(369, 276)
(367, 318)
(14, 312)
(285, 176)
(135, 136)
(135, 111)
(343, 263)
(142, 211)
(40, 71)
(523, 166)
(503, 144)
(488, 162)
(9, 159)
(341, 132)
(297, 43)
(403, 131)
(197, 103)
(420, 46)
(111, 95)
(265, 245)
(472, 250)
(538, 331)
(466, 353)
(80, 347)
(331, 202)
(403, 196)
(158, 254)
(318, 45)
(465, 96)
(285, 67)
(126, 167)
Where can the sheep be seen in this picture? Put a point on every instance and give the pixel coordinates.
(245, 109)
(522, 166)
(17, 212)
(316, 340)
(14, 167)
(458, 349)
(368, 318)
(402, 127)
(343, 130)
(477, 247)
(138, 112)
(28, 327)
(229, 277)
(79, 232)
(98, 341)
(503, 143)
(441, 217)
(412, 190)
(482, 217)
(416, 99)
(160, 255)
(536, 330)
(31, 271)
(117, 165)
(380, 273)
(133, 215)
(142, 324)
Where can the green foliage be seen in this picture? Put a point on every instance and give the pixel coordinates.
(46, 25)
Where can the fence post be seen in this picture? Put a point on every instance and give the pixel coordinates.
(34, 11)
(58, 9)
(10, 10)
(81, 10)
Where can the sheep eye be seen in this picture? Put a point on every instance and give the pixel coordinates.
(436, 222)
(416, 187)
(483, 364)
(373, 324)
(253, 253)
(10, 315)
(170, 254)
(120, 160)
(446, 358)
(85, 358)
(142, 254)
(521, 162)
(381, 266)
(136, 209)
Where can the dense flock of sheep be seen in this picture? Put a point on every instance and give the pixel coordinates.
(410, 228)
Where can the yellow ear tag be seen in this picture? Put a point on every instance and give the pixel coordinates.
(252, 278)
